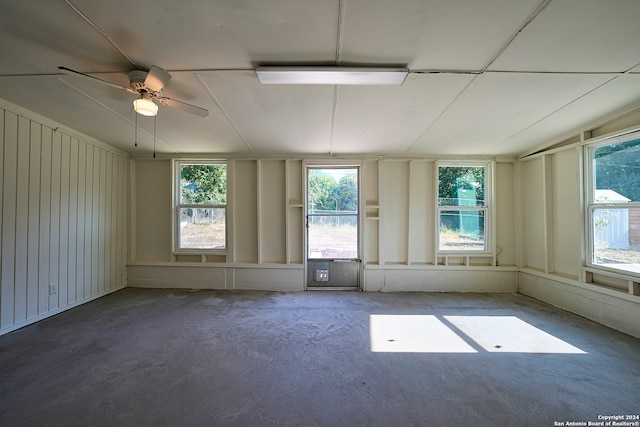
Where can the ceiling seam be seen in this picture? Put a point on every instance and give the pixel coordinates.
(340, 31)
(418, 72)
(215, 99)
(629, 71)
(568, 73)
(533, 16)
(425, 72)
(94, 25)
(447, 108)
(522, 72)
(114, 112)
(530, 19)
(336, 92)
(334, 113)
(556, 111)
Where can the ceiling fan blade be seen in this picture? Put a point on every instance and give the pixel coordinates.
(95, 79)
(156, 79)
(183, 106)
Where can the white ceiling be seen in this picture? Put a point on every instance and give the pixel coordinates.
(487, 77)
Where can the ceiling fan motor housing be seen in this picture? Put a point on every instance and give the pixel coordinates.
(136, 80)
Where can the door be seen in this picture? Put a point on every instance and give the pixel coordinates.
(332, 220)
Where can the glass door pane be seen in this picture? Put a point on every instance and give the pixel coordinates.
(333, 237)
(332, 213)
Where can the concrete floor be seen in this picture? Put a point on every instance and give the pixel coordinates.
(179, 358)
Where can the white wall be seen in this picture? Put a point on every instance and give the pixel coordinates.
(533, 217)
(152, 189)
(266, 230)
(505, 214)
(552, 247)
(552, 215)
(566, 213)
(64, 212)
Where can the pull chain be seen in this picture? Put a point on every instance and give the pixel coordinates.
(136, 137)
(154, 136)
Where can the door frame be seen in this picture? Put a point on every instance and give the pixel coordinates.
(332, 164)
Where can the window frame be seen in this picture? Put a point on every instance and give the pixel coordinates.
(487, 209)
(591, 205)
(177, 207)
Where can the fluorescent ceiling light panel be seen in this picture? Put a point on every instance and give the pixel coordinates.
(331, 75)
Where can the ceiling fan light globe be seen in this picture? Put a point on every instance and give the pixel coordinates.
(145, 106)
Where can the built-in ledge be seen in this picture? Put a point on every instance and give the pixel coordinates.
(214, 264)
(595, 287)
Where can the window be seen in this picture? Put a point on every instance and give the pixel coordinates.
(201, 206)
(614, 204)
(463, 210)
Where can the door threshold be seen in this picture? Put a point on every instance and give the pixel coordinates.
(333, 288)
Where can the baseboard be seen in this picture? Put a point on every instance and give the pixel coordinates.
(440, 280)
(616, 310)
(59, 310)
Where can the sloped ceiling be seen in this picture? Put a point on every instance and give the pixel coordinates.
(487, 77)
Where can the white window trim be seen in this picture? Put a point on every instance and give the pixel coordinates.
(488, 209)
(176, 206)
(591, 205)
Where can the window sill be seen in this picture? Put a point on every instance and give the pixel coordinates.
(201, 252)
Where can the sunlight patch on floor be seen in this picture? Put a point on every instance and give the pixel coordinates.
(509, 334)
(414, 334)
(429, 334)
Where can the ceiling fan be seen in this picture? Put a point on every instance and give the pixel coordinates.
(149, 86)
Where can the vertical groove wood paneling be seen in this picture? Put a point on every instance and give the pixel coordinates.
(63, 220)
(2, 144)
(95, 224)
(80, 225)
(88, 224)
(9, 219)
(72, 295)
(63, 257)
(45, 221)
(108, 220)
(33, 256)
(120, 236)
(54, 227)
(101, 242)
(118, 202)
(22, 207)
(112, 230)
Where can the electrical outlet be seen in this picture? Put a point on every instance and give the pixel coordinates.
(53, 289)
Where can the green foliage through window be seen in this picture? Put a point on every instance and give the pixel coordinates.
(327, 192)
(201, 209)
(203, 184)
(456, 183)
